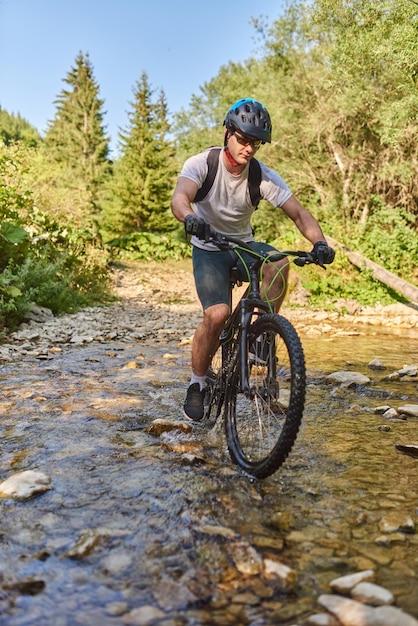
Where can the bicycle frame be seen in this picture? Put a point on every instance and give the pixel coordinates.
(260, 348)
(242, 315)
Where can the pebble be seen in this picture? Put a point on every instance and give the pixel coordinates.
(24, 485)
(352, 613)
(370, 593)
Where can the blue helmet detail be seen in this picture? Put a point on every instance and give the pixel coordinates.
(251, 118)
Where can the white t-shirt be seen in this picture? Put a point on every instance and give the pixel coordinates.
(227, 206)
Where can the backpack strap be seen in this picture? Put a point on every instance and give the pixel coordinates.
(254, 181)
(254, 178)
(213, 162)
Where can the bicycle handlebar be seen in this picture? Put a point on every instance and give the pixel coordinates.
(226, 242)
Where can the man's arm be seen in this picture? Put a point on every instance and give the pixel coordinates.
(182, 198)
(304, 221)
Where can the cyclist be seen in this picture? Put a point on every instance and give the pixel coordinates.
(228, 208)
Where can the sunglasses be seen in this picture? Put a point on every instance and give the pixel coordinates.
(246, 141)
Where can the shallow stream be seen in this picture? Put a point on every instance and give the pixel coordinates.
(133, 521)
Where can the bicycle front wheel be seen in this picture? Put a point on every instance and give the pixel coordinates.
(262, 422)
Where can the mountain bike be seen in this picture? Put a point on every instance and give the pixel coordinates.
(257, 379)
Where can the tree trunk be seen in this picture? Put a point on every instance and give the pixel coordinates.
(384, 276)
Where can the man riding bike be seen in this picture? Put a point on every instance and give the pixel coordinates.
(228, 208)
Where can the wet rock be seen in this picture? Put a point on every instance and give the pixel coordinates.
(409, 409)
(160, 426)
(209, 529)
(173, 595)
(24, 485)
(352, 613)
(84, 545)
(370, 593)
(282, 520)
(322, 619)
(262, 541)
(346, 377)
(390, 414)
(143, 616)
(397, 522)
(192, 459)
(246, 559)
(410, 450)
(408, 370)
(376, 364)
(114, 609)
(344, 584)
(116, 562)
(388, 540)
(283, 574)
(380, 410)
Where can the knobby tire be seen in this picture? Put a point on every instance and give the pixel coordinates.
(261, 426)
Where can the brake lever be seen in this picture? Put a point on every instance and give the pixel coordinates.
(307, 258)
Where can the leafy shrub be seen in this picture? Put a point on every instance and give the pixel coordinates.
(150, 246)
(41, 261)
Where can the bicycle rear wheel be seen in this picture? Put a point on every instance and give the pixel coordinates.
(262, 424)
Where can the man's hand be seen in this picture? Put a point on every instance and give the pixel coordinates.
(323, 252)
(194, 225)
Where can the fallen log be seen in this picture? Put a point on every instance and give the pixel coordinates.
(380, 273)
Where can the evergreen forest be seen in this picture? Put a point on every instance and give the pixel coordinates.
(340, 80)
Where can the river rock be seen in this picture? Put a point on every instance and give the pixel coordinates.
(344, 584)
(390, 414)
(408, 370)
(274, 570)
(410, 450)
(370, 593)
(347, 377)
(409, 409)
(352, 613)
(376, 364)
(39, 314)
(397, 522)
(24, 485)
(322, 619)
(160, 426)
(143, 616)
(246, 559)
(380, 410)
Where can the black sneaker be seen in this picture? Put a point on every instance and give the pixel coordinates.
(193, 405)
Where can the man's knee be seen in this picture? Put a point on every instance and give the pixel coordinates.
(215, 316)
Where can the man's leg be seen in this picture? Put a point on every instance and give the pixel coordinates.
(206, 337)
(205, 344)
(274, 287)
(211, 273)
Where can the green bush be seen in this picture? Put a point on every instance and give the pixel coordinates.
(41, 261)
(147, 246)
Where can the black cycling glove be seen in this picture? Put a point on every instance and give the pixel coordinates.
(194, 225)
(323, 252)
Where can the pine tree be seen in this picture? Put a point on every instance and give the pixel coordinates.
(76, 138)
(144, 174)
(15, 128)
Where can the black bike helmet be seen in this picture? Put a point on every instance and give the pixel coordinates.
(251, 118)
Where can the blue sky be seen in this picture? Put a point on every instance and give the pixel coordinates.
(180, 44)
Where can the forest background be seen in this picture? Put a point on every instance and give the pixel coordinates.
(339, 78)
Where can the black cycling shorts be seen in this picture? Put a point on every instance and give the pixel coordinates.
(211, 270)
